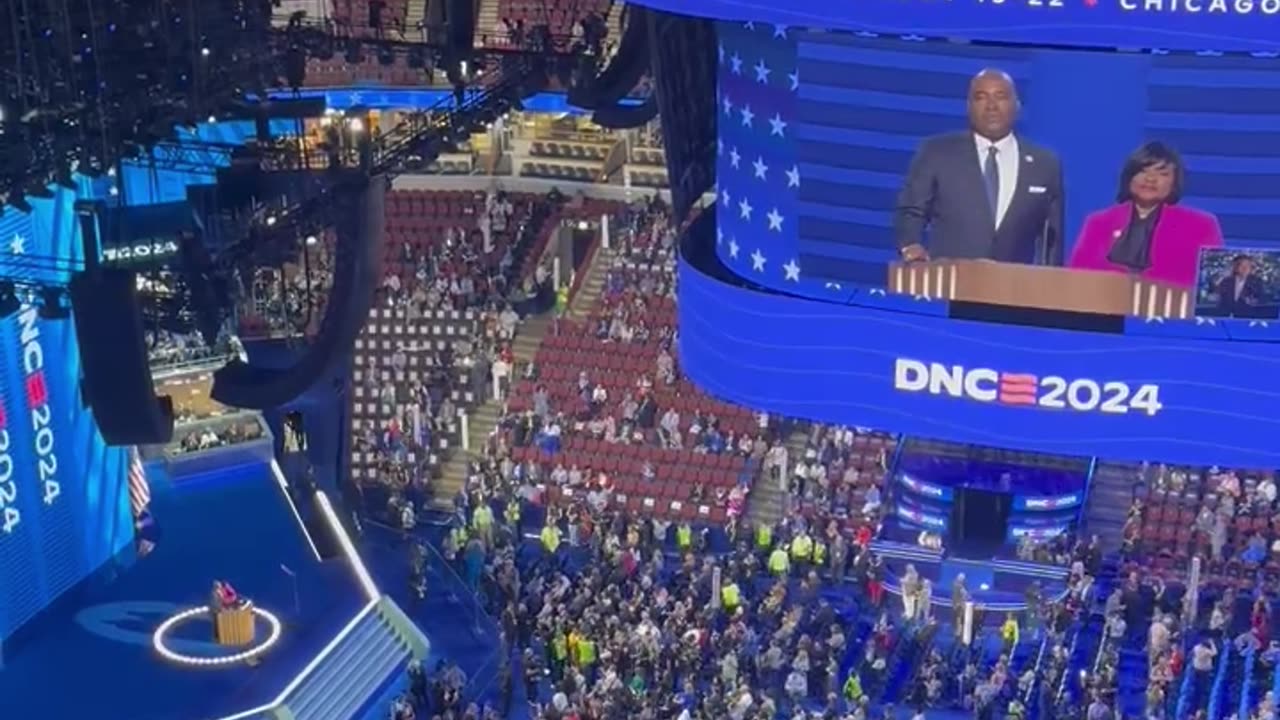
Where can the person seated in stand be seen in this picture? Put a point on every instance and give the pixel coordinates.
(1147, 233)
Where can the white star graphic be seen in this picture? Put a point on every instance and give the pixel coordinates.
(793, 176)
(735, 64)
(775, 220)
(18, 246)
(734, 157)
(728, 105)
(750, 25)
(779, 31)
(762, 72)
(795, 79)
(356, 97)
(744, 209)
(777, 125)
(792, 271)
(747, 116)
(724, 195)
(733, 248)
(760, 167)
(757, 261)
(719, 147)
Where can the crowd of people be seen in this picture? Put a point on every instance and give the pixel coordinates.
(472, 269)
(230, 430)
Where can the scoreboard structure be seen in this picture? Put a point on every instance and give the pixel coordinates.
(64, 501)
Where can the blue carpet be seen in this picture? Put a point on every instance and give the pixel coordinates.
(234, 525)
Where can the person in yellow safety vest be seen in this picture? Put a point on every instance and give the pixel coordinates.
(779, 562)
(819, 553)
(684, 537)
(550, 538)
(457, 541)
(559, 653)
(562, 299)
(1010, 633)
(853, 687)
(512, 515)
(730, 597)
(764, 537)
(482, 522)
(586, 652)
(801, 550)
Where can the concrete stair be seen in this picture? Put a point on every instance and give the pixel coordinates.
(1107, 507)
(592, 287)
(614, 22)
(414, 14)
(484, 418)
(769, 501)
(488, 24)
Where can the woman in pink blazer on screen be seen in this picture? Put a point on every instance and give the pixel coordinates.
(1147, 233)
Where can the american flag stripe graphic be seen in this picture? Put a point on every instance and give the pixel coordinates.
(1018, 388)
(139, 488)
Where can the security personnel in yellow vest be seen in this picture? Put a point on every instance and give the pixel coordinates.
(853, 687)
(801, 551)
(559, 653)
(684, 537)
(764, 537)
(586, 652)
(819, 553)
(550, 538)
(511, 514)
(1010, 633)
(779, 563)
(730, 597)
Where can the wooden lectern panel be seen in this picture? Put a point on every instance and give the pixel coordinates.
(1039, 286)
(234, 627)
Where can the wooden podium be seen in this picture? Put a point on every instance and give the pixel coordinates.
(233, 627)
(1039, 286)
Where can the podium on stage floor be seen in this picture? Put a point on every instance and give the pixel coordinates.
(1041, 287)
(233, 626)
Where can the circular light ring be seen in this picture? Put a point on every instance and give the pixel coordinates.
(159, 640)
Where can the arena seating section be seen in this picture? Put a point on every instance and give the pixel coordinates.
(422, 219)
(576, 349)
(560, 15)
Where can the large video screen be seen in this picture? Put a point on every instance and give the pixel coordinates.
(818, 132)
(64, 502)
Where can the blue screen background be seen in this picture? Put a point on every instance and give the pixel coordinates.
(58, 544)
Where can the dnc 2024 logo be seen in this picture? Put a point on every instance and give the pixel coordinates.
(987, 385)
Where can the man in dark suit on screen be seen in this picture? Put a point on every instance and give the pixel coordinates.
(1240, 292)
(984, 192)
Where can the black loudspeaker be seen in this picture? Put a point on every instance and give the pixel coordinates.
(116, 377)
(461, 18)
(357, 273)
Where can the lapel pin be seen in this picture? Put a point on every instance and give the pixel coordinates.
(1116, 233)
(1028, 158)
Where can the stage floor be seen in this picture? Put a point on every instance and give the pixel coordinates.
(95, 660)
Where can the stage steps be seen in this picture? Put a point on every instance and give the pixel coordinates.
(376, 645)
(1110, 495)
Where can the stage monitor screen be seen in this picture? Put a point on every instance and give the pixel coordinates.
(64, 507)
(1239, 283)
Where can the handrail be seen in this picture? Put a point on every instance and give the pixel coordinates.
(1242, 711)
(1219, 679)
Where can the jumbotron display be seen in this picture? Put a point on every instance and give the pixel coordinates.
(64, 503)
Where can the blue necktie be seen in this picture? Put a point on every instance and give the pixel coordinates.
(991, 173)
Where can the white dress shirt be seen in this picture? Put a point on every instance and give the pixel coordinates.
(1007, 163)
